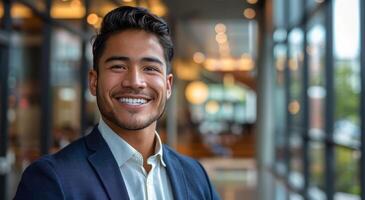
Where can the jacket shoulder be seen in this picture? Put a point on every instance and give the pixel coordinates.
(40, 181)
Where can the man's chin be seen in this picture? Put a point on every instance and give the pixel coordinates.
(134, 126)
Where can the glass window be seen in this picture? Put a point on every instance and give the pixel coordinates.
(280, 190)
(295, 63)
(295, 66)
(216, 101)
(312, 4)
(280, 52)
(296, 160)
(295, 196)
(316, 179)
(295, 11)
(347, 71)
(347, 93)
(347, 173)
(24, 109)
(316, 63)
(65, 76)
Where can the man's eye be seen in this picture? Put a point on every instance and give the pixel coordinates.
(151, 68)
(115, 67)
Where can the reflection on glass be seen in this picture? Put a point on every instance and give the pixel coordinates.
(279, 53)
(295, 196)
(295, 11)
(296, 157)
(295, 67)
(347, 173)
(347, 71)
(223, 109)
(316, 155)
(65, 56)
(280, 191)
(311, 4)
(279, 35)
(316, 63)
(24, 96)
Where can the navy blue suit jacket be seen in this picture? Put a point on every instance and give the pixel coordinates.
(86, 169)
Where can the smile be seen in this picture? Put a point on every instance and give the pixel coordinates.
(133, 101)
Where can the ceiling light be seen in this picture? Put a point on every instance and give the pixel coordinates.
(198, 57)
(92, 19)
(197, 92)
(220, 28)
(249, 13)
(221, 38)
(252, 1)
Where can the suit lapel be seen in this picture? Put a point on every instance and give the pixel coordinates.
(176, 175)
(105, 166)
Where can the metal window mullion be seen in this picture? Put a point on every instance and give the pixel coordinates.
(287, 82)
(329, 104)
(4, 76)
(362, 97)
(305, 108)
(46, 100)
(83, 71)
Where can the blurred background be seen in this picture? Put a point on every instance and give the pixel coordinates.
(267, 93)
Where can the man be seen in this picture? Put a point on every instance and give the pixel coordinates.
(123, 158)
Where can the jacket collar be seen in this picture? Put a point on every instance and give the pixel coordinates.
(103, 162)
(101, 158)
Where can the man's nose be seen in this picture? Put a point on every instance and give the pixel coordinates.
(134, 79)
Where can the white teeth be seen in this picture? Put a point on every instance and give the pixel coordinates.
(132, 101)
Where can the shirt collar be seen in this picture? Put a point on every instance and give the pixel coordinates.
(121, 150)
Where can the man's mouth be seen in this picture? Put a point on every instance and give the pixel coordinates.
(133, 101)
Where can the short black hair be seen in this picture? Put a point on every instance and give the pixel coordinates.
(126, 18)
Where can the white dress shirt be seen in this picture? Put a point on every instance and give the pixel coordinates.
(140, 185)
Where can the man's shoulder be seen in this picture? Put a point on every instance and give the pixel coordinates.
(75, 149)
(171, 153)
(184, 161)
(73, 153)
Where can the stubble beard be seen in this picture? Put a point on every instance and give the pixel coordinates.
(128, 124)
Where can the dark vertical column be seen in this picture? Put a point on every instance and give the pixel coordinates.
(305, 108)
(83, 71)
(172, 103)
(329, 104)
(46, 100)
(265, 92)
(362, 103)
(4, 75)
(287, 82)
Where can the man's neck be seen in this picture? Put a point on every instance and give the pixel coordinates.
(144, 140)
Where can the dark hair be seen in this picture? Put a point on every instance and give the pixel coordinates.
(127, 17)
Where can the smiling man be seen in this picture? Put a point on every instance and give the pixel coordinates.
(123, 157)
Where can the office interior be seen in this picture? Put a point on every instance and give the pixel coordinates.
(268, 94)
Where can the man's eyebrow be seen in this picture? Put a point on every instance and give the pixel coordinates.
(152, 59)
(124, 58)
(117, 58)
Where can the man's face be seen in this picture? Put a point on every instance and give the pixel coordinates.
(131, 85)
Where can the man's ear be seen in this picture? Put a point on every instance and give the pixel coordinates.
(169, 82)
(93, 81)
